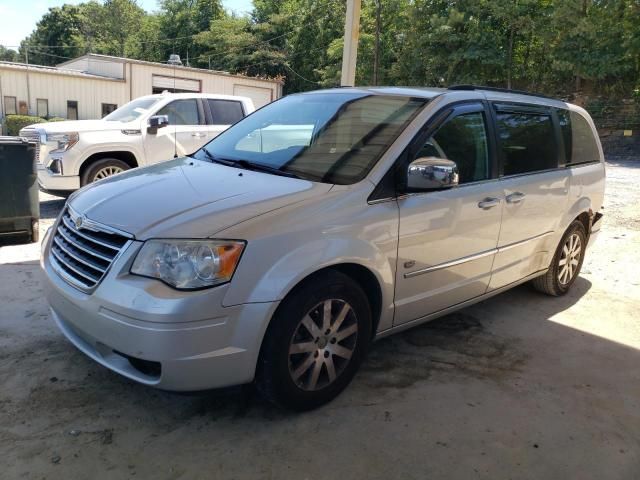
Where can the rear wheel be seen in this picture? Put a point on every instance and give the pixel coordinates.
(566, 263)
(103, 168)
(315, 343)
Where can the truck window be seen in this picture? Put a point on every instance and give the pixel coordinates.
(182, 112)
(225, 112)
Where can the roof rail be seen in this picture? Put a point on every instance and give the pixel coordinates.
(496, 89)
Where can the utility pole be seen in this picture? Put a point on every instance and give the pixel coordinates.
(351, 35)
(26, 58)
(376, 52)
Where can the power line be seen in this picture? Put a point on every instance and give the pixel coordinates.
(300, 76)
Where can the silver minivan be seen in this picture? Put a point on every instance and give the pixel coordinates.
(325, 220)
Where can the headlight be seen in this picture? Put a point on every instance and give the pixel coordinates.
(64, 140)
(188, 264)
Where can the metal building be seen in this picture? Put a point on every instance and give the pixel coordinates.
(91, 86)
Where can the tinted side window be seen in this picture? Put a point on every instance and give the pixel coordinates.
(527, 141)
(182, 112)
(463, 139)
(579, 143)
(225, 112)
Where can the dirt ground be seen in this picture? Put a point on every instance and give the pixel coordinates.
(520, 386)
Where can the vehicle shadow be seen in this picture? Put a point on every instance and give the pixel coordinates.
(504, 367)
(50, 206)
(462, 343)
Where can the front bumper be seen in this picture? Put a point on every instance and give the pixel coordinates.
(47, 181)
(150, 333)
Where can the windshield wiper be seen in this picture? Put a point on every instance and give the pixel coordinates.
(247, 165)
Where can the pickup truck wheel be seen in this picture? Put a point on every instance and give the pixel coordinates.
(566, 263)
(103, 168)
(315, 343)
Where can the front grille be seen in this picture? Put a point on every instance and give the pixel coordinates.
(32, 136)
(83, 256)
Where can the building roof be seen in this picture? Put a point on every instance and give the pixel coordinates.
(110, 58)
(55, 70)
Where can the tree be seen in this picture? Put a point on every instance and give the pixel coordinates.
(57, 36)
(8, 55)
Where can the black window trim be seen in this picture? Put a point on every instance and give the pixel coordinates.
(526, 108)
(209, 113)
(382, 192)
(76, 106)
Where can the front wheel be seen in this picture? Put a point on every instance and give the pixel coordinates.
(315, 343)
(103, 168)
(566, 263)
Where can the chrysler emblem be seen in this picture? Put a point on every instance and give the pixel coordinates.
(79, 221)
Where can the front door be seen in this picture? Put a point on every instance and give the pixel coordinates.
(448, 238)
(536, 191)
(187, 131)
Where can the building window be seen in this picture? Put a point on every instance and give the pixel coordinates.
(42, 107)
(107, 108)
(72, 110)
(10, 106)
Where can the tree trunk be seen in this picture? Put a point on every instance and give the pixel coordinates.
(376, 52)
(510, 57)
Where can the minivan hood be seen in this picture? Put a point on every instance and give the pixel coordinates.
(187, 198)
(79, 126)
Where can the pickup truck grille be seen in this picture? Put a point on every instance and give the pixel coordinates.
(32, 136)
(82, 256)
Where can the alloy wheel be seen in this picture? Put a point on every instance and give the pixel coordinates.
(106, 172)
(322, 344)
(569, 259)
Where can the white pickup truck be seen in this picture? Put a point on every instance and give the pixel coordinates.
(147, 130)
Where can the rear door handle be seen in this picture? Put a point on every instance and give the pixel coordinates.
(198, 135)
(515, 197)
(488, 203)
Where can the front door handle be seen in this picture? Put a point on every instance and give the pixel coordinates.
(515, 197)
(198, 135)
(488, 203)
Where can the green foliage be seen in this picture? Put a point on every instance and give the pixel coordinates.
(15, 123)
(8, 55)
(552, 46)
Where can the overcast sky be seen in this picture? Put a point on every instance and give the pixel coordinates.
(18, 18)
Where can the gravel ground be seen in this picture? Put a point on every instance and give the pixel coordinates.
(520, 386)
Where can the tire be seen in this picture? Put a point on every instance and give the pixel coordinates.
(100, 169)
(286, 378)
(557, 281)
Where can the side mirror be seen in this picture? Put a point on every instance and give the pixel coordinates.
(431, 173)
(156, 122)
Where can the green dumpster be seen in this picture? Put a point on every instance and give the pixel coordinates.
(19, 202)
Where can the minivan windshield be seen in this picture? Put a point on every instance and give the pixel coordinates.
(132, 110)
(323, 137)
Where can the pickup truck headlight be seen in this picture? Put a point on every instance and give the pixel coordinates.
(188, 264)
(64, 140)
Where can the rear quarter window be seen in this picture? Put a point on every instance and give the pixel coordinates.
(225, 112)
(580, 145)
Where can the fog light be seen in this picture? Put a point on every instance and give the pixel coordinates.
(55, 166)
